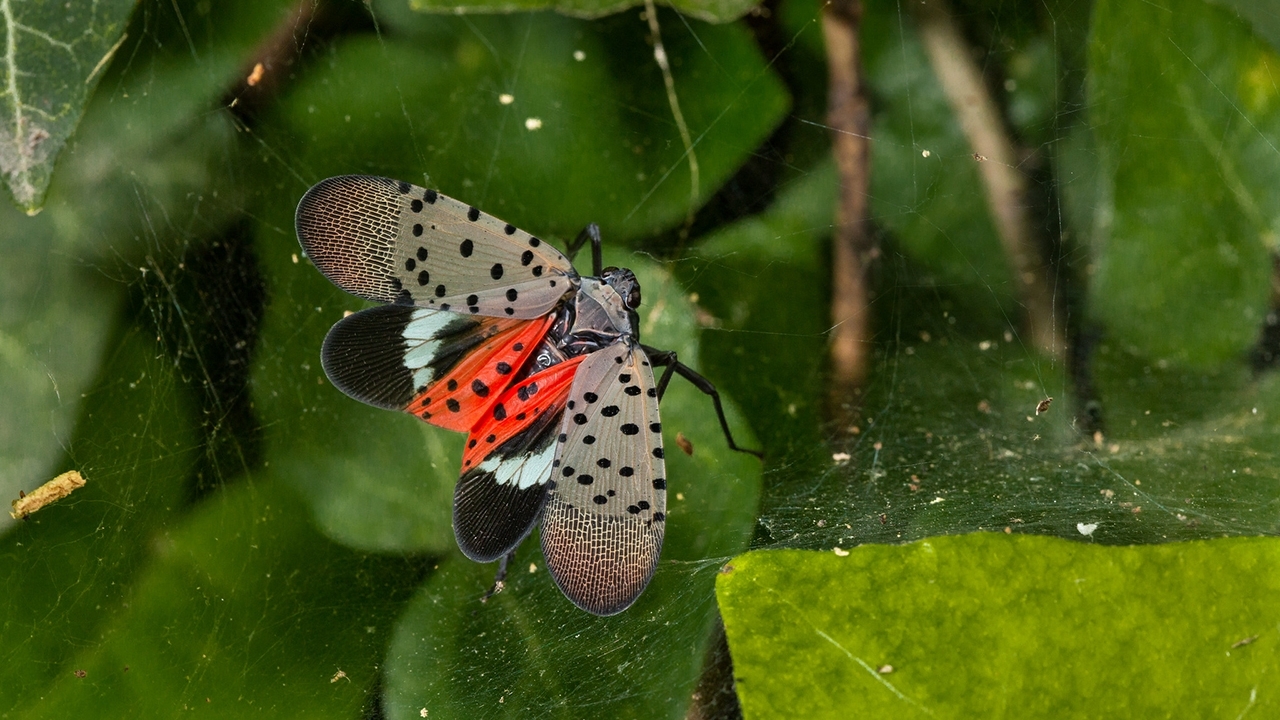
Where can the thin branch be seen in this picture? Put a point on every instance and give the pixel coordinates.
(852, 245)
(270, 67)
(982, 124)
(660, 55)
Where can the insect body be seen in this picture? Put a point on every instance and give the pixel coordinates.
(491, 332)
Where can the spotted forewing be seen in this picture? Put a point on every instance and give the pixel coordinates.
(399, 243)
(603, 524)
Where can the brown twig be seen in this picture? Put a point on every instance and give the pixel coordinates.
(852, 246)
(982, 124)
(272, 64)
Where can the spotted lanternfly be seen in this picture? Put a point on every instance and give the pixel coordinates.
(490, 331)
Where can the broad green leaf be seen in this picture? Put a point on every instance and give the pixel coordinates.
(1262, 15)
(990, 625)
(245, 612)
(54, 57)
(529, 650)
(717, 11)
(496, 111)
(69, 568)
(1184, 113)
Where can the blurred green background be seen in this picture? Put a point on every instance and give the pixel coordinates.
(252, 542)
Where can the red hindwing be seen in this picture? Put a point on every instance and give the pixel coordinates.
(464, 397)
(518, 407)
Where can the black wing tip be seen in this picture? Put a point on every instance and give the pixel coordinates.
(491, 520)
(363, 356)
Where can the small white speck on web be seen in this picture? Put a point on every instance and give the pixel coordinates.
(422, 712)
(533, 123)
(839, 552)
(579, 55)
(506, 98)
(840, 458)
(533, 568)
(1086, 529)
(295, 258)
(937, 500)
(925, 153)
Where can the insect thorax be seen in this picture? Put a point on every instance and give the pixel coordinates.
(594, 317)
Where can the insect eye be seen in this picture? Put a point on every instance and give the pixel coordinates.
(633, 298)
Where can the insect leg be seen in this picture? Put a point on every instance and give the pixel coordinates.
(499, 580)
(667, 359)
(592, 233)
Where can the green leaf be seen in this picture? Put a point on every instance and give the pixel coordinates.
(579, 142)
(54, 57)
(989, 625)
(716, 11)
(528, 650)
(70, 566)
(246, 612)
(1263, 15)
(1184, 110)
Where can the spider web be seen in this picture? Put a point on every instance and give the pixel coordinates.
(251, 539)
